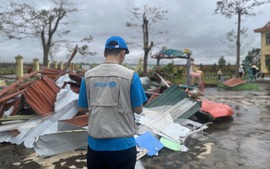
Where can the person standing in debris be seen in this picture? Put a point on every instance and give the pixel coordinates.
(254, 70)
(219, 75)
(241, 71)
(112, 94)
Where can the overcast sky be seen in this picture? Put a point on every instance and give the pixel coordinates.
(191, 24)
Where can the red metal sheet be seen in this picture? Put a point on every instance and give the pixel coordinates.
(41, 96)
(75, 77)
(7, 97)
(15, 132)
(75, 87)
(234, 82)
(52, 73)
(17, 106)
(25, 85)
(2, 105)
(155, 94)
(80, 121)
(17, 82)
(216, 109)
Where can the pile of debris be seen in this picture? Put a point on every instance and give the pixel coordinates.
(40, 111)
(34, 105)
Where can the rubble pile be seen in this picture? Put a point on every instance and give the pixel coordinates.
(40, 111)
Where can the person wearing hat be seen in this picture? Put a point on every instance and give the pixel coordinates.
(241, 71)
(254, 70)
(111, 94)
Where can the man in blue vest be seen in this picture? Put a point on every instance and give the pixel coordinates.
(111, 94)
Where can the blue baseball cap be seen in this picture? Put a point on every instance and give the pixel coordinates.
(116, 42)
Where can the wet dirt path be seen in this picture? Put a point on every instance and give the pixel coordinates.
(239, 142)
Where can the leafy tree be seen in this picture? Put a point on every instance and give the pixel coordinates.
(139, 66)
(169, 69)
(254, 56)
(221, 62)
(21, 21)
(147, 16)
(201, 66)
(231, 38)
(240, 8)
(215, 67)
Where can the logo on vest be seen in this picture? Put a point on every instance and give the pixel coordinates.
(105, 84)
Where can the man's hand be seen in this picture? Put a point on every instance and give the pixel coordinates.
(83, 110)
(138, 110)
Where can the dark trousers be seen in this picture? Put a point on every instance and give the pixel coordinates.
(240, 74)
(124, 159)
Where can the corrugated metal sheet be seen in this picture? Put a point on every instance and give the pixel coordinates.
(5, 98)
(23, 128)
(54, 74)
(16, 83)
(40, 126)
(17, 106)
(14, 103)
(64, 97)
(61, 80)
(234, 82)
(161, 122)
(182, 105)
(50, 125)
(78, 121)
(75, 77)
(169, 97)
(60, 142)
(154, 94)
(67, 80)
(12, 92)
(172, 104)
(42, 95)
(2, 109)
(25, 85)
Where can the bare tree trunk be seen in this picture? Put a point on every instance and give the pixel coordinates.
(45, 56)
(145, 44)
(145, 60)
(44, 47)
(238, 45)
(46, 51)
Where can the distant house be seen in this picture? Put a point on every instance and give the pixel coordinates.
(265, 45)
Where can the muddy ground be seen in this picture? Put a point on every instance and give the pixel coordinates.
(239, 142)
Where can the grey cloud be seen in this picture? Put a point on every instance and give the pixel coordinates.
(191, 24)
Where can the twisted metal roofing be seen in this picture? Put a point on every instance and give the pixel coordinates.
(41, 96)
(182, 105)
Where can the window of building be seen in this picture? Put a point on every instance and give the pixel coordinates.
(267, 62)
(267, 38)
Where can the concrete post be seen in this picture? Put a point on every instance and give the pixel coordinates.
(36, 64)
(73, 66)
(55, 65)
(77, 67)
(70, 66)
(19, 66)
(61, 65)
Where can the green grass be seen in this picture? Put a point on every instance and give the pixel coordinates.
(182, 80)
(245, 86)
(7, 71)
